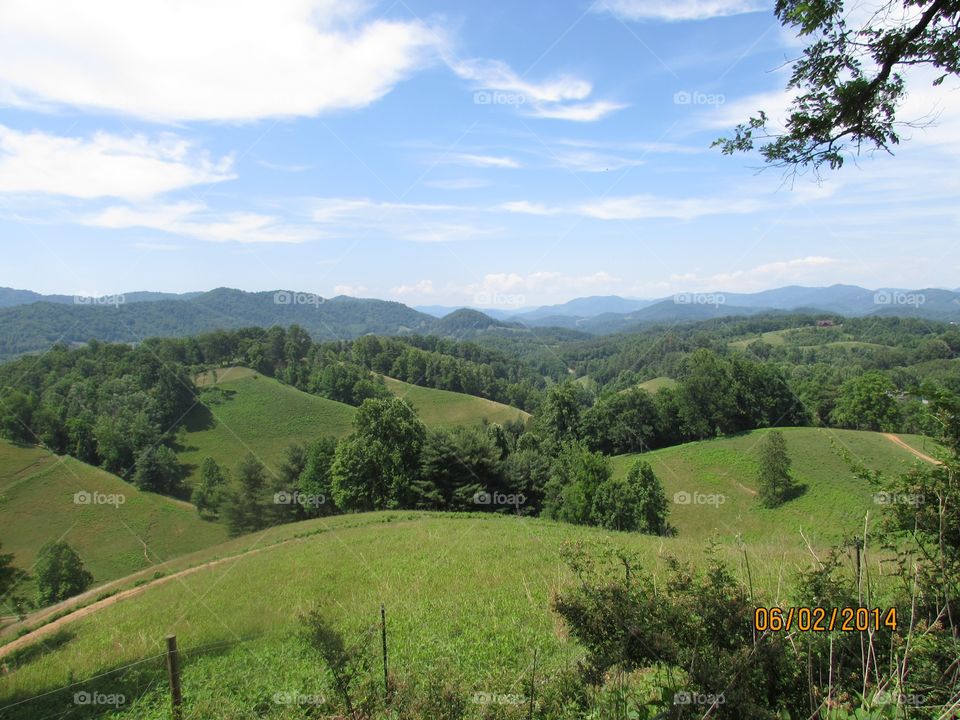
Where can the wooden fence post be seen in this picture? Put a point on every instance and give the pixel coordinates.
(383, 636)
(173, 670)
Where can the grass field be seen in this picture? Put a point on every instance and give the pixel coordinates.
(442, 408)
(255, 414)
(37, 492)
(774, 337)
(657, 383)
(833, 506)
(467, 596)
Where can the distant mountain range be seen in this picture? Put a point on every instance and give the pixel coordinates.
(31, 322)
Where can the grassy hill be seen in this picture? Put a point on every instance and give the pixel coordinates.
(467, 596)
(441, 408)
(834, 504)
(657, 383)
(243, 411)
(37, 504)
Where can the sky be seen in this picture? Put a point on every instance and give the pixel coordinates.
(482, 153)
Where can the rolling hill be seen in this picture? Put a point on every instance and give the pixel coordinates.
(467, 596)
(243, 411)
(37, 499)
(834, 503)
(443, 408)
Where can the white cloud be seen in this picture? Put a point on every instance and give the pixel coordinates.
(414, 222)
(420, 289)
(545, 283)
(641, 207)
(474, 160)
(773, 274)
(588, 161)
(103, 165)
(351, 290)
(677, 10)
(526, 207)
(207, 60)
(561, 98)
(197, 221)
(579, 112)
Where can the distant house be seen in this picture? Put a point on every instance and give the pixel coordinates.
(824, 323)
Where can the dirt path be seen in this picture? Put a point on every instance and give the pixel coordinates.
(897, 441)
(58, 624)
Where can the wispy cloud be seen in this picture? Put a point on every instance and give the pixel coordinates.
(678, 10)
(561, 98)
(641, 207)
(197, 221)
(103, 165)
(483, 161)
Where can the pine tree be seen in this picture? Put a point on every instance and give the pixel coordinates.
(776, 484)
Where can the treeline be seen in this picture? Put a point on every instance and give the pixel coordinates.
(108, 405)
(341, 370)
(393, 461)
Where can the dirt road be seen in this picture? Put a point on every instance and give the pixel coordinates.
(897, 441)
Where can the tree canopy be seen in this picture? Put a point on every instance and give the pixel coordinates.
(850, 80)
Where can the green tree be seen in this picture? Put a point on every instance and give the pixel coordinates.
(575, 476)
(774, 479)
(705, 396)
(157, 470)
(60, 573)
(559, 416)
(377, 467)
(868, 402)
(16, 414)
(245, 504)
(650, 501)
(208, 494)
(621, 423)
(848, 83)
(315, 479)
(635, 503)
(457, 465)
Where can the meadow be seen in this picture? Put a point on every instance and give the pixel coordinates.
(467, 596)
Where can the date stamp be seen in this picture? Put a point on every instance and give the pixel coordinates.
(818, 619)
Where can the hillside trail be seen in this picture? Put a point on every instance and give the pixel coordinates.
(58, 624)
(897, 441)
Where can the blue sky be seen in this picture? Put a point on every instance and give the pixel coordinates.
(438, 153)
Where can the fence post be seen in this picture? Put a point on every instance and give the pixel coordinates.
(173, 670)
(383, 637)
